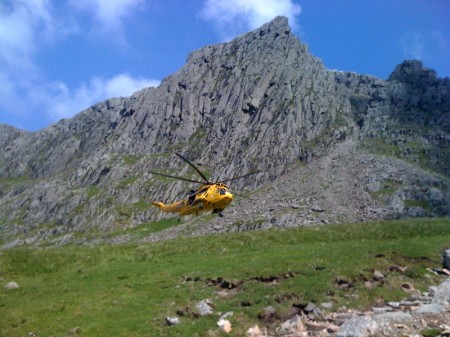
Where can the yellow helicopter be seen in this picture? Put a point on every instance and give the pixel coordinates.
(209, 196)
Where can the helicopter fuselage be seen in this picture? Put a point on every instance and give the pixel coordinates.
(208, 197)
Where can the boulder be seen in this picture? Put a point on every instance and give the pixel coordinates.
(173, 320)
(293, 327)
(442, 294)
(361, 326)
(224, 324)
(326, 305)
(205, 307)
(255, 331)
(432, 308)
(388, 321)
(446, 257)
(11, 285)
(378, 275)
(267, 313)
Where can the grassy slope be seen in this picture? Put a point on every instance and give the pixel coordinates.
(128, 290)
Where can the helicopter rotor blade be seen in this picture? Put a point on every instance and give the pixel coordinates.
(176, 177)
(241, 195)
(193, 166)
(240, 177)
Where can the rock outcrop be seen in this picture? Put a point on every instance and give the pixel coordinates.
(331, 146)
(407, 318)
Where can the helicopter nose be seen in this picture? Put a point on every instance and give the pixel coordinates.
(228, 197)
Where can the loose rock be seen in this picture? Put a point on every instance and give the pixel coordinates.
(225, 325)
(432, 308)
(11, 285)
(326, 305)
(446, 257)
(293, 327)
(267, 313)
(442, 294)
(378, 275)
(361, 326)
(204, 307)
(173, 320)
(255, 331)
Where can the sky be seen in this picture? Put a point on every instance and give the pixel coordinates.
(59, 57)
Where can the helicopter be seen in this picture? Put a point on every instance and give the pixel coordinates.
(210, 196)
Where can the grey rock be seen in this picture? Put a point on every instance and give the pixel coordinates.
(389, 318)
(317, 208)
(227, 315)
(173, 320)
(11, 285)
(394, 304)
(432, 290)
(267, 313)
(362, 326)
(378, 275)
(380, 310)
(446, 259)
(442, 294)
(327, 305)
(292, 327)
(310, 307)
(388, 321)
(432, 308)
(204, 307)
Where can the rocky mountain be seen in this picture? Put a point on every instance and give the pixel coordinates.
(331, 147)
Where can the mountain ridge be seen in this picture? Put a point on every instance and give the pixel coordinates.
(259, 102)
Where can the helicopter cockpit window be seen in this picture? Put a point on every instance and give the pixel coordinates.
(203, 189)
(222, 191)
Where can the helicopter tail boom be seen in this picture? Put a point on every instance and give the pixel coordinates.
(175, 207)
(158, 204)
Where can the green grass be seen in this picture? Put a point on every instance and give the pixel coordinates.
(141, 205)
(13, 180)
(128, 290)
(418, 203)
(130, 159)
(6, 183)
(382, 193)
(127, 182)
(146, 229)
(92, 191)
(431, 332)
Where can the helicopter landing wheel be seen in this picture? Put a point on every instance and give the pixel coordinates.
(218, 211)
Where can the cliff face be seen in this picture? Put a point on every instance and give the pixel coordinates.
(260, 102)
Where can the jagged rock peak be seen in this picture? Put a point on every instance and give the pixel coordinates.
(270, 31)
(278, 24)
(8, 134)
(267, 34)
(410, 71)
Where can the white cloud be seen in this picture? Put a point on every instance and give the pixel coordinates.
(413, 46)
(234, 16)
(109, 15)
(56, 100)
(26, 28)
(442, 41)
(21, 23)
(124, 85)
(60, 101)
(424, 45)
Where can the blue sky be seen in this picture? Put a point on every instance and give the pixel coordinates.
(58, 57)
